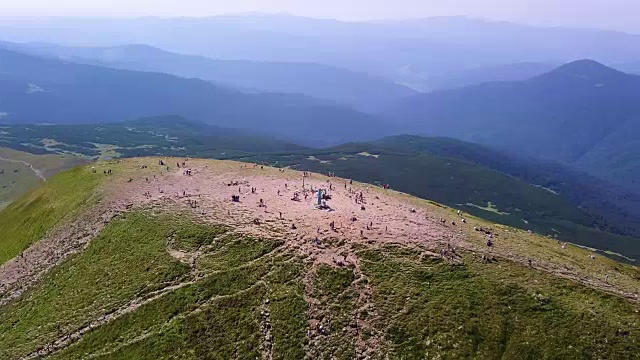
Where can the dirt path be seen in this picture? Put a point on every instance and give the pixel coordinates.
(38, 173)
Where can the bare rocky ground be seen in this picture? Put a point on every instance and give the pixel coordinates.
(358, 214)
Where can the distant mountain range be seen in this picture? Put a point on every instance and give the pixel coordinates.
(359, 90)
(41, 90)
(582, 113)
(404, 51)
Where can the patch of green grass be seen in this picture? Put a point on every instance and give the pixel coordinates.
(214, 317)
(30, 218)
(170, 344)
(127, 259)
(430, 309)
(193, 236)
(228, 328)
(333, 287)
(330, 282)
(160, 315)
(225, 328)
(288, 309)
(236, 252)
(490, 207)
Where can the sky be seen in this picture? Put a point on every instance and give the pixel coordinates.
(607, 14)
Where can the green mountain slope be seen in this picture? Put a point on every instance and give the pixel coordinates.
(563, 115)
(40, 90)
(362, 91)
(613, 209)
(160, 281)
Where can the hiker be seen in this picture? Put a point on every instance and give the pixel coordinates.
(530, 264)
(489, 243)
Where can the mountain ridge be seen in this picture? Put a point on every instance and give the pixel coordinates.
(39, 90)
(346, 87)
(560, 115)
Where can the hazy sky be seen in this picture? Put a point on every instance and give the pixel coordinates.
(611, 14)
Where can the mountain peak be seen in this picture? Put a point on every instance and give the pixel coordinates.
(585, 68)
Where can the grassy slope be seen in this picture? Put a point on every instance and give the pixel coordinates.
(128, 260)
(425, 307)
(430, 309)
(30, 218)
(17, 178)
